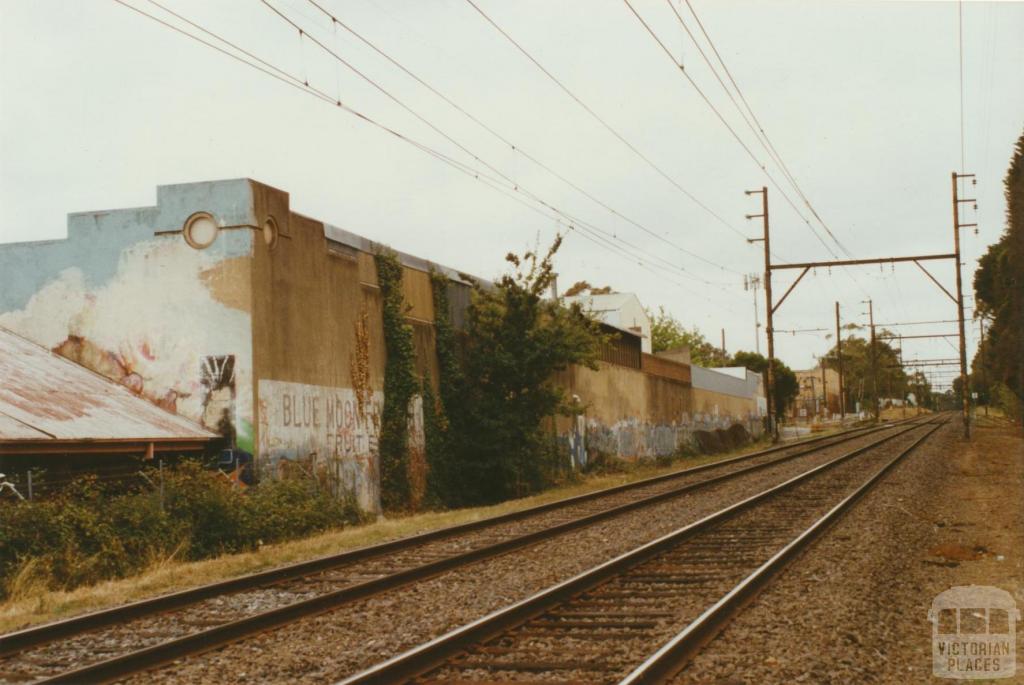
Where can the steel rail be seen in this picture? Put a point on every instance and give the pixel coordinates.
(17, 641)
(673, 656)
(433, 654)
(150, 657)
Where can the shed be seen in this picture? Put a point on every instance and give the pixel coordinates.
(51, 406)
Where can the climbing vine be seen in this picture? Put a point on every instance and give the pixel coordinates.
(400, 385)
(443, 473)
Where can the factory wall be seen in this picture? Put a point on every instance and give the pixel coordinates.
(632, 413)
(271, 335)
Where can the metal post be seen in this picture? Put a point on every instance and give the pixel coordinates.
(984, 374)
(723, 342)
(964, 390)
(757, 321)
(161, 484)
(770, 390)
(839, 352)
(824, 393)
(773, 424)
(29, 474)
(874, 360)
(903, 400)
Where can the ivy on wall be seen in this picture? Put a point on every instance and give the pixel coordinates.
(400, 385)
(443, 473)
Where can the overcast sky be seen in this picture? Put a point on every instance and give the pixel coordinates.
(99, 105)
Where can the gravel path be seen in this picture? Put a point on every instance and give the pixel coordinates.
(333, 645)
(854, 608)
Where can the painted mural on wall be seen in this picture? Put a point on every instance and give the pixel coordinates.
(158, 325)
(329, 432)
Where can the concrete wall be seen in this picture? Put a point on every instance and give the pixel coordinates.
(272, 335)
(320, 354)
(631, 413)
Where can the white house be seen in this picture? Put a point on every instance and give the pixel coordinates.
(622, 310)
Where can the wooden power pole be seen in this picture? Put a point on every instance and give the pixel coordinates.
(839, 353)
(965, 393)
(773, 424)
(874, 359)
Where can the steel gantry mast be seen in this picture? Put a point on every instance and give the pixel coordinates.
(804, 267)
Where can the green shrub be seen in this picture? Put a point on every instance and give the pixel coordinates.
(88, 533)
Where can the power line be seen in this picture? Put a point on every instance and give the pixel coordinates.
(772, 150)
(728, 126)
(960, 45)
(604, 123)
(335, 21)
(516, 185)
(279, 74)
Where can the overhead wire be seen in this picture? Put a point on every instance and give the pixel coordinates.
(602, 121)
(518, 186)
(700, 91)
(770, 147)
(765, 143)
(335, 21)
(294, 81)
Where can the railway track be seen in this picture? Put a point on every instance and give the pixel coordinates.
(124, 640)
(640, 617)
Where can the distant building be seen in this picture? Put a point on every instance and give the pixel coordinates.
(818, 395)
(622, 310)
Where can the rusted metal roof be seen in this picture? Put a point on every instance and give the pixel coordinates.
(45, 397)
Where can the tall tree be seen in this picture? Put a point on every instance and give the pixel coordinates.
(516, 339)
(999, 292)
(859, 376)
(668, 333)
(786, 386)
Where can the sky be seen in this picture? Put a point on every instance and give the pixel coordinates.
(860, 101)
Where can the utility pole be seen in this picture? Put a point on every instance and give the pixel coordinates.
(723, 343)
(824, 392)
(984, 375)
(753, 282)
(839, 353)
(964, 390)
(874, 360)
(773, 425)
(903, 401)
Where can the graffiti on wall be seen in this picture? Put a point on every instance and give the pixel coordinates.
(217, 377)
(631, 438)
(154, 325)
(323, 431)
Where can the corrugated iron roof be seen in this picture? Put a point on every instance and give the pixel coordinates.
(45, 396)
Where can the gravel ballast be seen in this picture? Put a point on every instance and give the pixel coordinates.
(333, 645)
(854, 608)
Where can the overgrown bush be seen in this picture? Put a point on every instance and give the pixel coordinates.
(88, 534)
(497, 402)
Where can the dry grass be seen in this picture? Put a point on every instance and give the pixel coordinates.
(897, 413)
(31, 603)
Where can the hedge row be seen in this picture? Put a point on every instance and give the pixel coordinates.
(88, 533)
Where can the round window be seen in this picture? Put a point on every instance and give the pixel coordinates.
(270, 232)
(200, 230)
